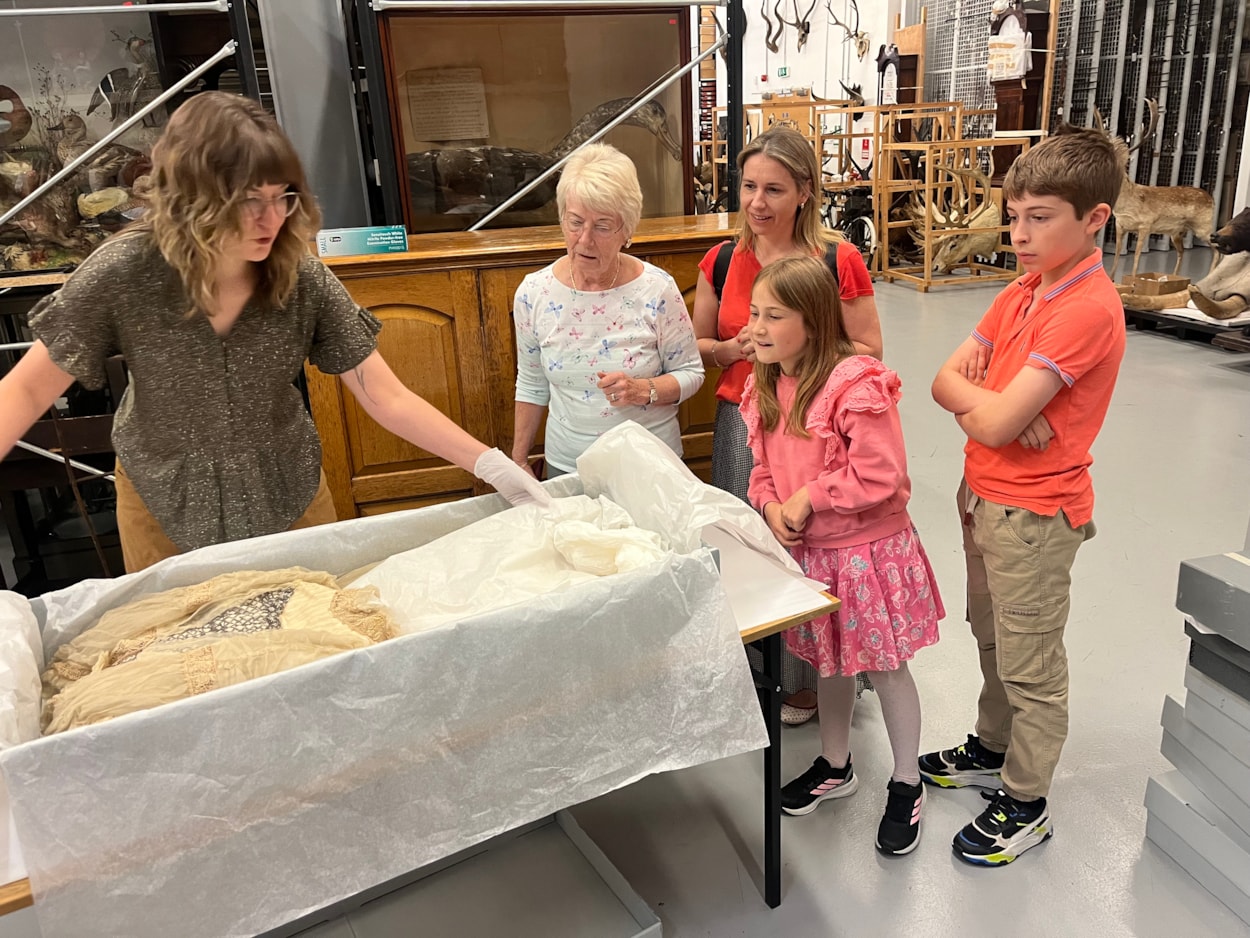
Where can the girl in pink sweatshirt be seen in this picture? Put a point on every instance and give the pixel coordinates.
(830, 478)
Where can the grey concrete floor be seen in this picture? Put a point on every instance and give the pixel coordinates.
(1170, 478)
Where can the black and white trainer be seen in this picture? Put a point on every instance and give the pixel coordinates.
(1003, 831)
(819, 783)
(899, 830)
(967, 764)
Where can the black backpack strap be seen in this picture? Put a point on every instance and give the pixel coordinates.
(720, 268)
(831, 261)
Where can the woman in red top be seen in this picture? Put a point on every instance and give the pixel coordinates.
(780, 197)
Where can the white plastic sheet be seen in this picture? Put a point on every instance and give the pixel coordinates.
(236, 811)
(21, 660)
(647, 479)
(548, 549)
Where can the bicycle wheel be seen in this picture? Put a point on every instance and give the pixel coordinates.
(862, 233)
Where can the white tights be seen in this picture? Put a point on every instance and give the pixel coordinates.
(900, 706)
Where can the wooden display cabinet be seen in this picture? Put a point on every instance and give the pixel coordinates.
(936, 187)
(446, 306)
(481, 102)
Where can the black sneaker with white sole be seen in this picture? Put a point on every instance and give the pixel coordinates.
(1003, 831)
(899, 830)
(967, 764)
(819, 783)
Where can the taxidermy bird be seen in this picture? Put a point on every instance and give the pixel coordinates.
(146, 83)
(50, 219)
(473, 180)
(127, 90)
(102, 169)
(116, 90)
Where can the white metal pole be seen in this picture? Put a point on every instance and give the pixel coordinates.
(226, 51)
(217, 6)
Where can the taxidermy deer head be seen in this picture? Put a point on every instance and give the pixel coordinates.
(860, 39)
(802, 24)
(968, 224)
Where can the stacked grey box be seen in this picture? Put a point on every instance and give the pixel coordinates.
(1199, 813)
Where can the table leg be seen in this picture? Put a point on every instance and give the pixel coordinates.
(770, 701)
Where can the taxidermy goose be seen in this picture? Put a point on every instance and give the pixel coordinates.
(102, 168)
(125, 90)
(473, 180)
(15, 122)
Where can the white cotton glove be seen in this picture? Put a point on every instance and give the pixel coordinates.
(515, 484)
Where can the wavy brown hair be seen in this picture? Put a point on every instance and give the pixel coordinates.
(805, 285)
(214, 150)
(797, 155)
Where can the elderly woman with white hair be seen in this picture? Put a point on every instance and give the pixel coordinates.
(602, 337)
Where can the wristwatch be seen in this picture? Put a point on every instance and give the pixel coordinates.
(655, 395)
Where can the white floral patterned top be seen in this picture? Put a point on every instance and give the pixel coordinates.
(566, 337)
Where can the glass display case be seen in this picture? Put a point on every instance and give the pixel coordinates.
(69, 79)
(478, 104)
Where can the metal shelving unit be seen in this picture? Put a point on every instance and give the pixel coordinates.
(1114, 54)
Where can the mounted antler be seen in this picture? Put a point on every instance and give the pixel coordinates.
(852, 35)
(803, 24)
(771, 38)
(856, 95)
(979, 219)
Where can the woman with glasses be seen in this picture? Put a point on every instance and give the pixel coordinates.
(602, 337)
(780, 197)
(215, 302)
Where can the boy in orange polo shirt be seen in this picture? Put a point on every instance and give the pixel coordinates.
(1030, 387)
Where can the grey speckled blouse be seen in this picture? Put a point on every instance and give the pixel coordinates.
(211, 430)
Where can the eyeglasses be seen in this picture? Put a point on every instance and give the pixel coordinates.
(600, 229)
(255, 208)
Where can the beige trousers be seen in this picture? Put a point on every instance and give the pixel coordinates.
(1019, 586)
(144, 542)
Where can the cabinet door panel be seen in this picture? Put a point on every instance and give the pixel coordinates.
(498, 288)
(431, 338)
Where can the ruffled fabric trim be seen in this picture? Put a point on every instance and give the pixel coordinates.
(750, 412)
(861, 384)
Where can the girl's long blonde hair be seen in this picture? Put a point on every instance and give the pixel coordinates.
(797, 155)
(215, 148)
(805, 285)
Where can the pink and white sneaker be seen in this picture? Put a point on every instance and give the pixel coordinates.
(899, 830)
(819, 783)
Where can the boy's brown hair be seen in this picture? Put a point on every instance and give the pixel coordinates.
(1082, 167)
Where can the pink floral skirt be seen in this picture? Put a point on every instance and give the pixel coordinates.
(890, 605)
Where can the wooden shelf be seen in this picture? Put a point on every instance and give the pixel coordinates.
(50, 279)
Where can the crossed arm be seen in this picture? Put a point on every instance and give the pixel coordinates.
(995, 418)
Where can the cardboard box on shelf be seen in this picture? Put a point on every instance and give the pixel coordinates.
(1152, 284)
